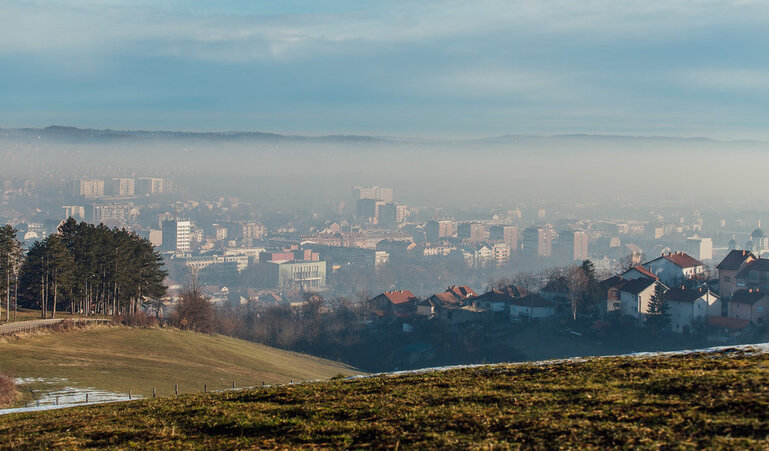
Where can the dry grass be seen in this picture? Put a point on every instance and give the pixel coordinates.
(700, 401)
(8, 392)
(118, 359)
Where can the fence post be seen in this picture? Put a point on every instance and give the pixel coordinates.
(86, 397)
(205, 388)
(129, 394)
(153, 392)
(57, 400)
(176, 389)
(233, 385)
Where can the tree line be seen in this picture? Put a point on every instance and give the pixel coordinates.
(86, 269)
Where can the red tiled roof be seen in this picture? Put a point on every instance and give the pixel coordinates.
(683, 260)
(463, 291)
(445, 298)
(643, 271)
(399, 296)
(728, 323)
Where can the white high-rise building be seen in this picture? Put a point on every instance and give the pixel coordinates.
(176, 235)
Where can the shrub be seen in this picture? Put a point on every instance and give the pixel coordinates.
(7, 391)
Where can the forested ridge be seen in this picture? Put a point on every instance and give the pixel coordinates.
(83, 269)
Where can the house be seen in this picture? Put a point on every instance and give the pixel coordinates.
(635, 296)
(749, 304)
(637, 271)
(611, 293)
(454, 295)
(463, 292)
(753, 275)
(531, 307)
(674, 267)
(690, 309)
(455, 314)
(493, 301)
(733, 263)
(397, 302)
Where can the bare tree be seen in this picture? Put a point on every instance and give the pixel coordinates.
(526, 280)
(577, 284)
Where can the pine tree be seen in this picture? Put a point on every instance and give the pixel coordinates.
(658, 312)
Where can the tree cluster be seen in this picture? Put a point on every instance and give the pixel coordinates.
(10, 260)
(91, 270)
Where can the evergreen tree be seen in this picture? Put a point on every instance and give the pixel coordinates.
(658, 312)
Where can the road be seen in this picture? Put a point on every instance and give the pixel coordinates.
(22, 326)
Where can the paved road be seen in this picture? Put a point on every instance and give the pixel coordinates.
(21, 326)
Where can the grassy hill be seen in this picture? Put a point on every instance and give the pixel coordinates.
(687, 401)
(119, 359)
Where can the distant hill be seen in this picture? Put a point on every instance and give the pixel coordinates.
(74, 134)
(119, 359)
(700, 400)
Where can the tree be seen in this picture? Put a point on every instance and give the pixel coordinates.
(658, 312)
(10, 259)
(194, 311)
(577, 283)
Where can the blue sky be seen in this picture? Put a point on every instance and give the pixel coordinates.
(397, 68)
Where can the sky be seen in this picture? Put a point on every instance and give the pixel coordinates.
(442, 69)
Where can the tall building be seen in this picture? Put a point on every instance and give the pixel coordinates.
(387, 216)
(150, 185)
(112, 214)
(375, 193)
(538, 241)
(472, 231)
(572, 245)
(176, 235)
(506, 234)
(700, 248)
(435, 230)
(74, 211)
(122, 186)
(88, 188)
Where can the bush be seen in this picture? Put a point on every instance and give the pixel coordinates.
(7, 391)
(194, 312)
(138, 319)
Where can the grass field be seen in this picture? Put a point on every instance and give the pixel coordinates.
(119, 359)
(685, 402)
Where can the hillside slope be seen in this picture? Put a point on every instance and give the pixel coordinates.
(119, 359)
(686, 401)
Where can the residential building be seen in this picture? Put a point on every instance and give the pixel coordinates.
(675, 267)
(176, 236)
(437, 229)
(473, 232)
(751, 305)
(538, 241)
(572, 245)
(397, 302)
(88, 188)
(122, 186)
(700, 248)
(149, 185)
(734, 261)
(505, 233)
(531, 307)
(691, 308)
(635, 296)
